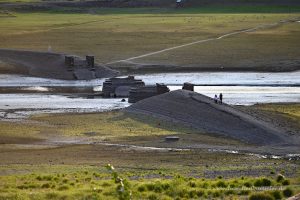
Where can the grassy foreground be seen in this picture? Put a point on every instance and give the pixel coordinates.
(92, 184)
(76, 171)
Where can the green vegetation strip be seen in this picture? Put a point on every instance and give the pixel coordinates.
(99, 184)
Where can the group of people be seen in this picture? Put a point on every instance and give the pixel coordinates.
(218, 99)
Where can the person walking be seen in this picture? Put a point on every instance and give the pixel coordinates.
(216, 98)
(221, 98)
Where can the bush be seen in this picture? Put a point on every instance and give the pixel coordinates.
(262, 182)
(248, 184)
(277, 195)
(229, 192)
(157, 188)
(63, 187)
(193, 194)
(152, 197)
(56, 179)
(279, 178)
(216, 194)
(258, 183)
(44, 178)
(22, 187)
(221, 184)
(285, 182)
(88, 179)
(287, 192)
(192, 184)
(150, 187)
(46, 185)
(48, 178)
(65, 180)
(165, 186)
(266, 182)
(261, 196)
(200, 193)
(183, 193)
(205, 185)
(105, 184)
(141, 188)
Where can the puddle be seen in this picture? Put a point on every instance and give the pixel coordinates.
(262, 156)
(37, 88)
(143, 148)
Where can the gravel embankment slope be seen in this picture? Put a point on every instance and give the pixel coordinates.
(201, 112)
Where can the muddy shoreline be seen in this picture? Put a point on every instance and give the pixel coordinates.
(124, 71)
(28, 63)
(150, 69)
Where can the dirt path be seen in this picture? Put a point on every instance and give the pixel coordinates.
(265, 26)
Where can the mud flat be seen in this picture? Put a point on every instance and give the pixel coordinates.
(20, 106)
(201, 112)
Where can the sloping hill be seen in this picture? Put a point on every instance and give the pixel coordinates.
(47, 65)
(201, 112)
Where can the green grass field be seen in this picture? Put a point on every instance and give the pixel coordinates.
(116, 34)
(92, 184)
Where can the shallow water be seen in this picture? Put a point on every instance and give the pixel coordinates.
(246, 89)
(249, 95)
(16, 106)
(216, 78)
(238, 88)
(223, 78)
(25, 81)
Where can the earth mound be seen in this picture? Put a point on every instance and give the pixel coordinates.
(199, 111)
(48, 65)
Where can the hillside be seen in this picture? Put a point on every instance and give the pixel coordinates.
(201, 112)
(47, 65)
